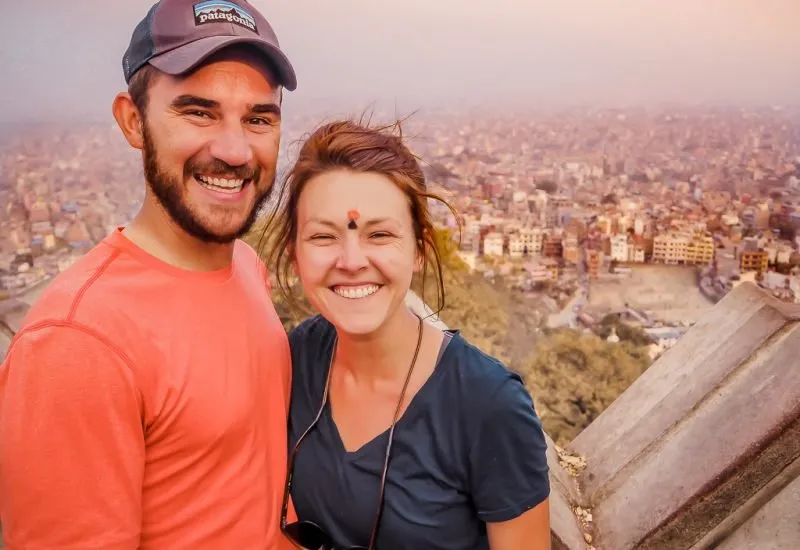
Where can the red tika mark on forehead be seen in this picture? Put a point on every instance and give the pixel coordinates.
(352, 215)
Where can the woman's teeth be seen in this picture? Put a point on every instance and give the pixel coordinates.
(353, 292)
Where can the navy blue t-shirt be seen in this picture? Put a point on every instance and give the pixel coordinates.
(469, 449)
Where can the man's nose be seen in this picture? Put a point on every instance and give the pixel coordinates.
(231, 146)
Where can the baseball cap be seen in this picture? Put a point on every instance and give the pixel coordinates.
(177, 35)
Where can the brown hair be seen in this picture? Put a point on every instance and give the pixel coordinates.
(139, 87)
(359, 147)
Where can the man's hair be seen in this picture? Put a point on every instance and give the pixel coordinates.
(359, 147)
(139, 87)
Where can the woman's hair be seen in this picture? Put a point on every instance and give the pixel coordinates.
(358, 147)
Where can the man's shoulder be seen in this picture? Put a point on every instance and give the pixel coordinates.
(62, 294)
(244, 254)
(104, 290)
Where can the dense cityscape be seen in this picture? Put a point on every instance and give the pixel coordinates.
(574, 205)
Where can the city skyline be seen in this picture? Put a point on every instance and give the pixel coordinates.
(61, 63)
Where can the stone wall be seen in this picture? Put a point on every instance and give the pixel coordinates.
(702, 451)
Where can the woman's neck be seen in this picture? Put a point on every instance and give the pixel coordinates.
(384, 355)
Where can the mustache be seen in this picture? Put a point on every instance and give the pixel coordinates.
(221, 168)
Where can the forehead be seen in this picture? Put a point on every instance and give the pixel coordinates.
(332, 194)
(236, 73)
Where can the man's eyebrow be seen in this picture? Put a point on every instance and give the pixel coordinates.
(266, 108)
(194, 101)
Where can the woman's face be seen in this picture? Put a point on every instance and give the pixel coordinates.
(355, 275)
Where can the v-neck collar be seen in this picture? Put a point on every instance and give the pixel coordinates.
(415, 405)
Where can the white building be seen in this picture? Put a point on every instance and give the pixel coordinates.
(619, 248)
(493, 244)
(532, 238)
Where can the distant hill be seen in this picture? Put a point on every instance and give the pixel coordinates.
(572, 376)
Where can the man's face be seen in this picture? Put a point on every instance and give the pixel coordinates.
(211, 143)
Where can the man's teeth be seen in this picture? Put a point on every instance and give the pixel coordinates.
(221, 184)
(354, 292)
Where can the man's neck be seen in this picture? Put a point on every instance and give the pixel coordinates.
(384, 355)
(156, 233)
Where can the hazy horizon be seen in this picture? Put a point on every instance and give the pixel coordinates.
(62, 63)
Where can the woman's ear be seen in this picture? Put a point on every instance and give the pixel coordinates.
(419, 259)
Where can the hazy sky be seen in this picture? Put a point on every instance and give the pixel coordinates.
(62, 59)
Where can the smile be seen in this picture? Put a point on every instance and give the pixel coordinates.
(355, 292)
(222, 185)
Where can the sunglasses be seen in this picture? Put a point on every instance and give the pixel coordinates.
(308, 535)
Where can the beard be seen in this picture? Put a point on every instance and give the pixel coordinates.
(170, 191)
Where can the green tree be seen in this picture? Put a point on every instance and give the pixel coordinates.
(574, 377)
(626, 332)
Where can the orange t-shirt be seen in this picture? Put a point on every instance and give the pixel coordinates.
(145, 406)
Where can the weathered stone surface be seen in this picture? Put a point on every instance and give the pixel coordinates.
(565, 529)
(776, 526)
(730, 333)
(701, 432)
(761, 518)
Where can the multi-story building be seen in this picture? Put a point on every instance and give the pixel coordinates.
(594, 261)
(761, 218)
(532, 239)
(635, 252)
(619, 248)
(570, 248)
(784, 254)
(604, 224)
(516, 248)
(552, 267)
(700, 250)
(542, 269)
(552, 246)
(670, 248)
(493, 244)
(753, 260)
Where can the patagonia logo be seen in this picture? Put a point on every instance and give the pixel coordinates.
(220, 11)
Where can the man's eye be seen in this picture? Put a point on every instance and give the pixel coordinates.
(259, 121)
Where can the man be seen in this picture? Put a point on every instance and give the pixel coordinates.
(144, 402)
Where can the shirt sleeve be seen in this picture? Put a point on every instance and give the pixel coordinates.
(71, 443)
(508, 461)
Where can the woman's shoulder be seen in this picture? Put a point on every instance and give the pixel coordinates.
(309, 330)
(310, 340)
(476, 369)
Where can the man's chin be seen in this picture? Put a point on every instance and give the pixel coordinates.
(219, 235)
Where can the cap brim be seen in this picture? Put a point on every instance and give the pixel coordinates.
(185, 58)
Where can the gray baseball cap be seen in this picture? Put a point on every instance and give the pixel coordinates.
(177, 35)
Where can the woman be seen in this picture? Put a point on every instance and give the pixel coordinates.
(402, 436)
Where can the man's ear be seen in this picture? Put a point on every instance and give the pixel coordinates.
(129, 119)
